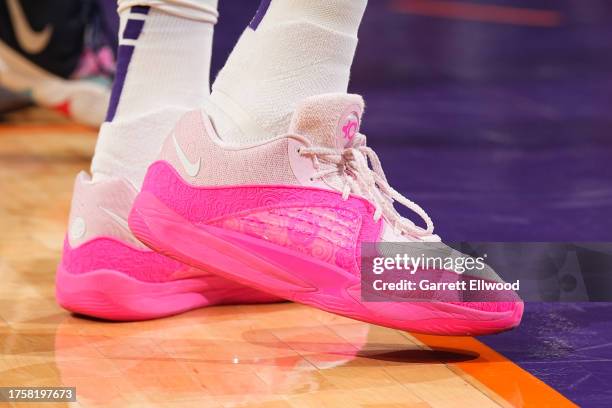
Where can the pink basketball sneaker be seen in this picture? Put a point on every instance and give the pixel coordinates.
(288, 216)
(107, 273)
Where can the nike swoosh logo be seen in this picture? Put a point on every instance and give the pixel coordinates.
(29, 40)
(192, 169)
(122, 222)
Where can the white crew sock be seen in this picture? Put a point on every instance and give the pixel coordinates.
(299, 49)
(163, 69)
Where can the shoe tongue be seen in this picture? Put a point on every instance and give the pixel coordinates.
(328, 120)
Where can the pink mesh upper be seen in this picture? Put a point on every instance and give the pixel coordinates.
(326, 233)
(310, 220)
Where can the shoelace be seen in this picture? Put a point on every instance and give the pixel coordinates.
(352, 165)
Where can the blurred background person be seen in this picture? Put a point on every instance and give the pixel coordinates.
(59, 54)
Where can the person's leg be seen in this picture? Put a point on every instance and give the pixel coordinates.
(163, 69)
(292, 49)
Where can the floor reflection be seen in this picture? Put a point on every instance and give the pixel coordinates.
(231, 355)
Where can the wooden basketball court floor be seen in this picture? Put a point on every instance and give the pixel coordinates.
(282, 355)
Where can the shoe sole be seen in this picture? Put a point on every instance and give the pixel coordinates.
(82, 100)
(113, 295)
(294, 276)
